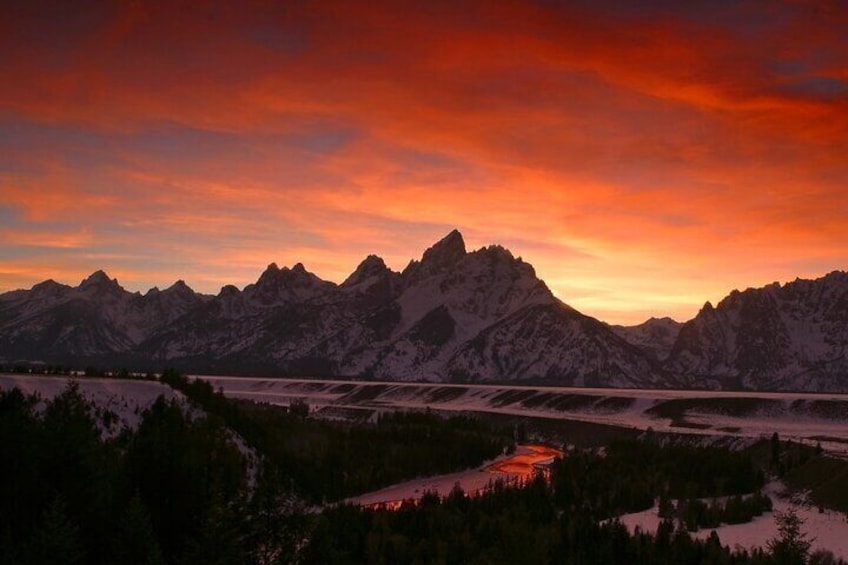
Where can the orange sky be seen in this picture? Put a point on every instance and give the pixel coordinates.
(644, 160)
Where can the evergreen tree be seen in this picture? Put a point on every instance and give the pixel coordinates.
(56, 540)
(791, 547)
(135, 541)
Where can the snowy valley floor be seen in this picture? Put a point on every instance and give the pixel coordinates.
(812, 418)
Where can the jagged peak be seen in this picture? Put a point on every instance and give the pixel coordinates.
(269, 276)
(449, 249)
(498, 250)
(439, 258)
(837, 274)
(181, 287)
(372, 261)
(411, 266)
(97, 276)
(498, 253)
(369, 267)
(454, 234)
(272, 272)
(286, 284)
(229, 290)
(48, 284)
(99, 279)
(48, 288)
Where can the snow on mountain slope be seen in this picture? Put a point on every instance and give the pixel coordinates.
(378, 323)
(449, 298)
(98, 317)
(453, 315)
(790, 337)
(556, 344)
(284, 286)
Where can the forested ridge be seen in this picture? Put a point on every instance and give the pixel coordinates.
(332, 460)
(182, 488)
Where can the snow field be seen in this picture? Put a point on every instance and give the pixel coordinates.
(629, 408)
(828, 530)
(126, 398)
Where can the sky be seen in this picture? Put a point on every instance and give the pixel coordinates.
(644, 157)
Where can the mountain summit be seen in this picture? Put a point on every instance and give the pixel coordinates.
(98, 281)
(439, 258)
(445, 252)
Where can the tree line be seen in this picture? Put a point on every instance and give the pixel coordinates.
(178, 489)
(332, 460)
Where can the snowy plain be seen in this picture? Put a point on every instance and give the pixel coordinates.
(810, 417)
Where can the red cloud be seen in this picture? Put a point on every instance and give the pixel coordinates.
(668, 143)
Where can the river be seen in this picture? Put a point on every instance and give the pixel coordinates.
(513, 468)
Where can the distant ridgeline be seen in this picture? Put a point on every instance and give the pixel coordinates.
(457, 316)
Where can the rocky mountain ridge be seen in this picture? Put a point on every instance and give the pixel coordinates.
(453, 315)
(790, 337)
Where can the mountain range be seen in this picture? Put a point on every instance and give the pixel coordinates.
(453, 315)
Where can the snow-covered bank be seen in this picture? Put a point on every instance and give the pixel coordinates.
(125, 398)
(827, 529)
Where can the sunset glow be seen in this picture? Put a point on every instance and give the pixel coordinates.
(643, 160)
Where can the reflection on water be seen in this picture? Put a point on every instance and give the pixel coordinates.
(515, 469)
(524, 465)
